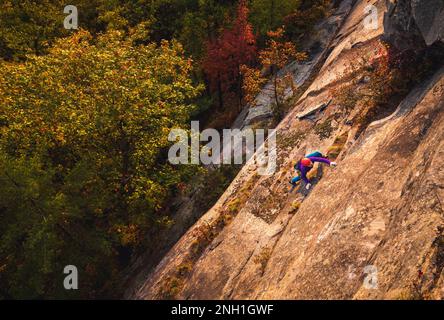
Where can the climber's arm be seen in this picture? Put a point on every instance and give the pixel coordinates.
(319, 159)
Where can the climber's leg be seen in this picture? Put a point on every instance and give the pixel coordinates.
(294, 183)
(295, 180)
(315, 154)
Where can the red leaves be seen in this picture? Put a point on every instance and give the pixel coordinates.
(234, 47)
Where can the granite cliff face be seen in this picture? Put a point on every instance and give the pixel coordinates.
(371, 228)
(413, 19)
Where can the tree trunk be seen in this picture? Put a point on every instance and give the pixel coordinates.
(276, 94)
(125, 150)
(220, 93)
(272, 9)
(240, 93)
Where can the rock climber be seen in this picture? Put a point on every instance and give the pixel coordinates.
(304, 165)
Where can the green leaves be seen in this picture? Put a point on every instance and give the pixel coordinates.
(268, 14)
(83, 171)
(26, 26)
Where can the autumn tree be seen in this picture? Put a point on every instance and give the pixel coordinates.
(253, 81)
(277, 54)
(226, 54)
(83, 171)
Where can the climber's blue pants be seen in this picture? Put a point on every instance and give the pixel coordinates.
(295, 180)
(315, 154)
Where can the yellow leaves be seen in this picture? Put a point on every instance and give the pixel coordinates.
(60, 138)
(278, 33)
(89, 109)
(128, 234)
(252, 82)
(279, 52)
